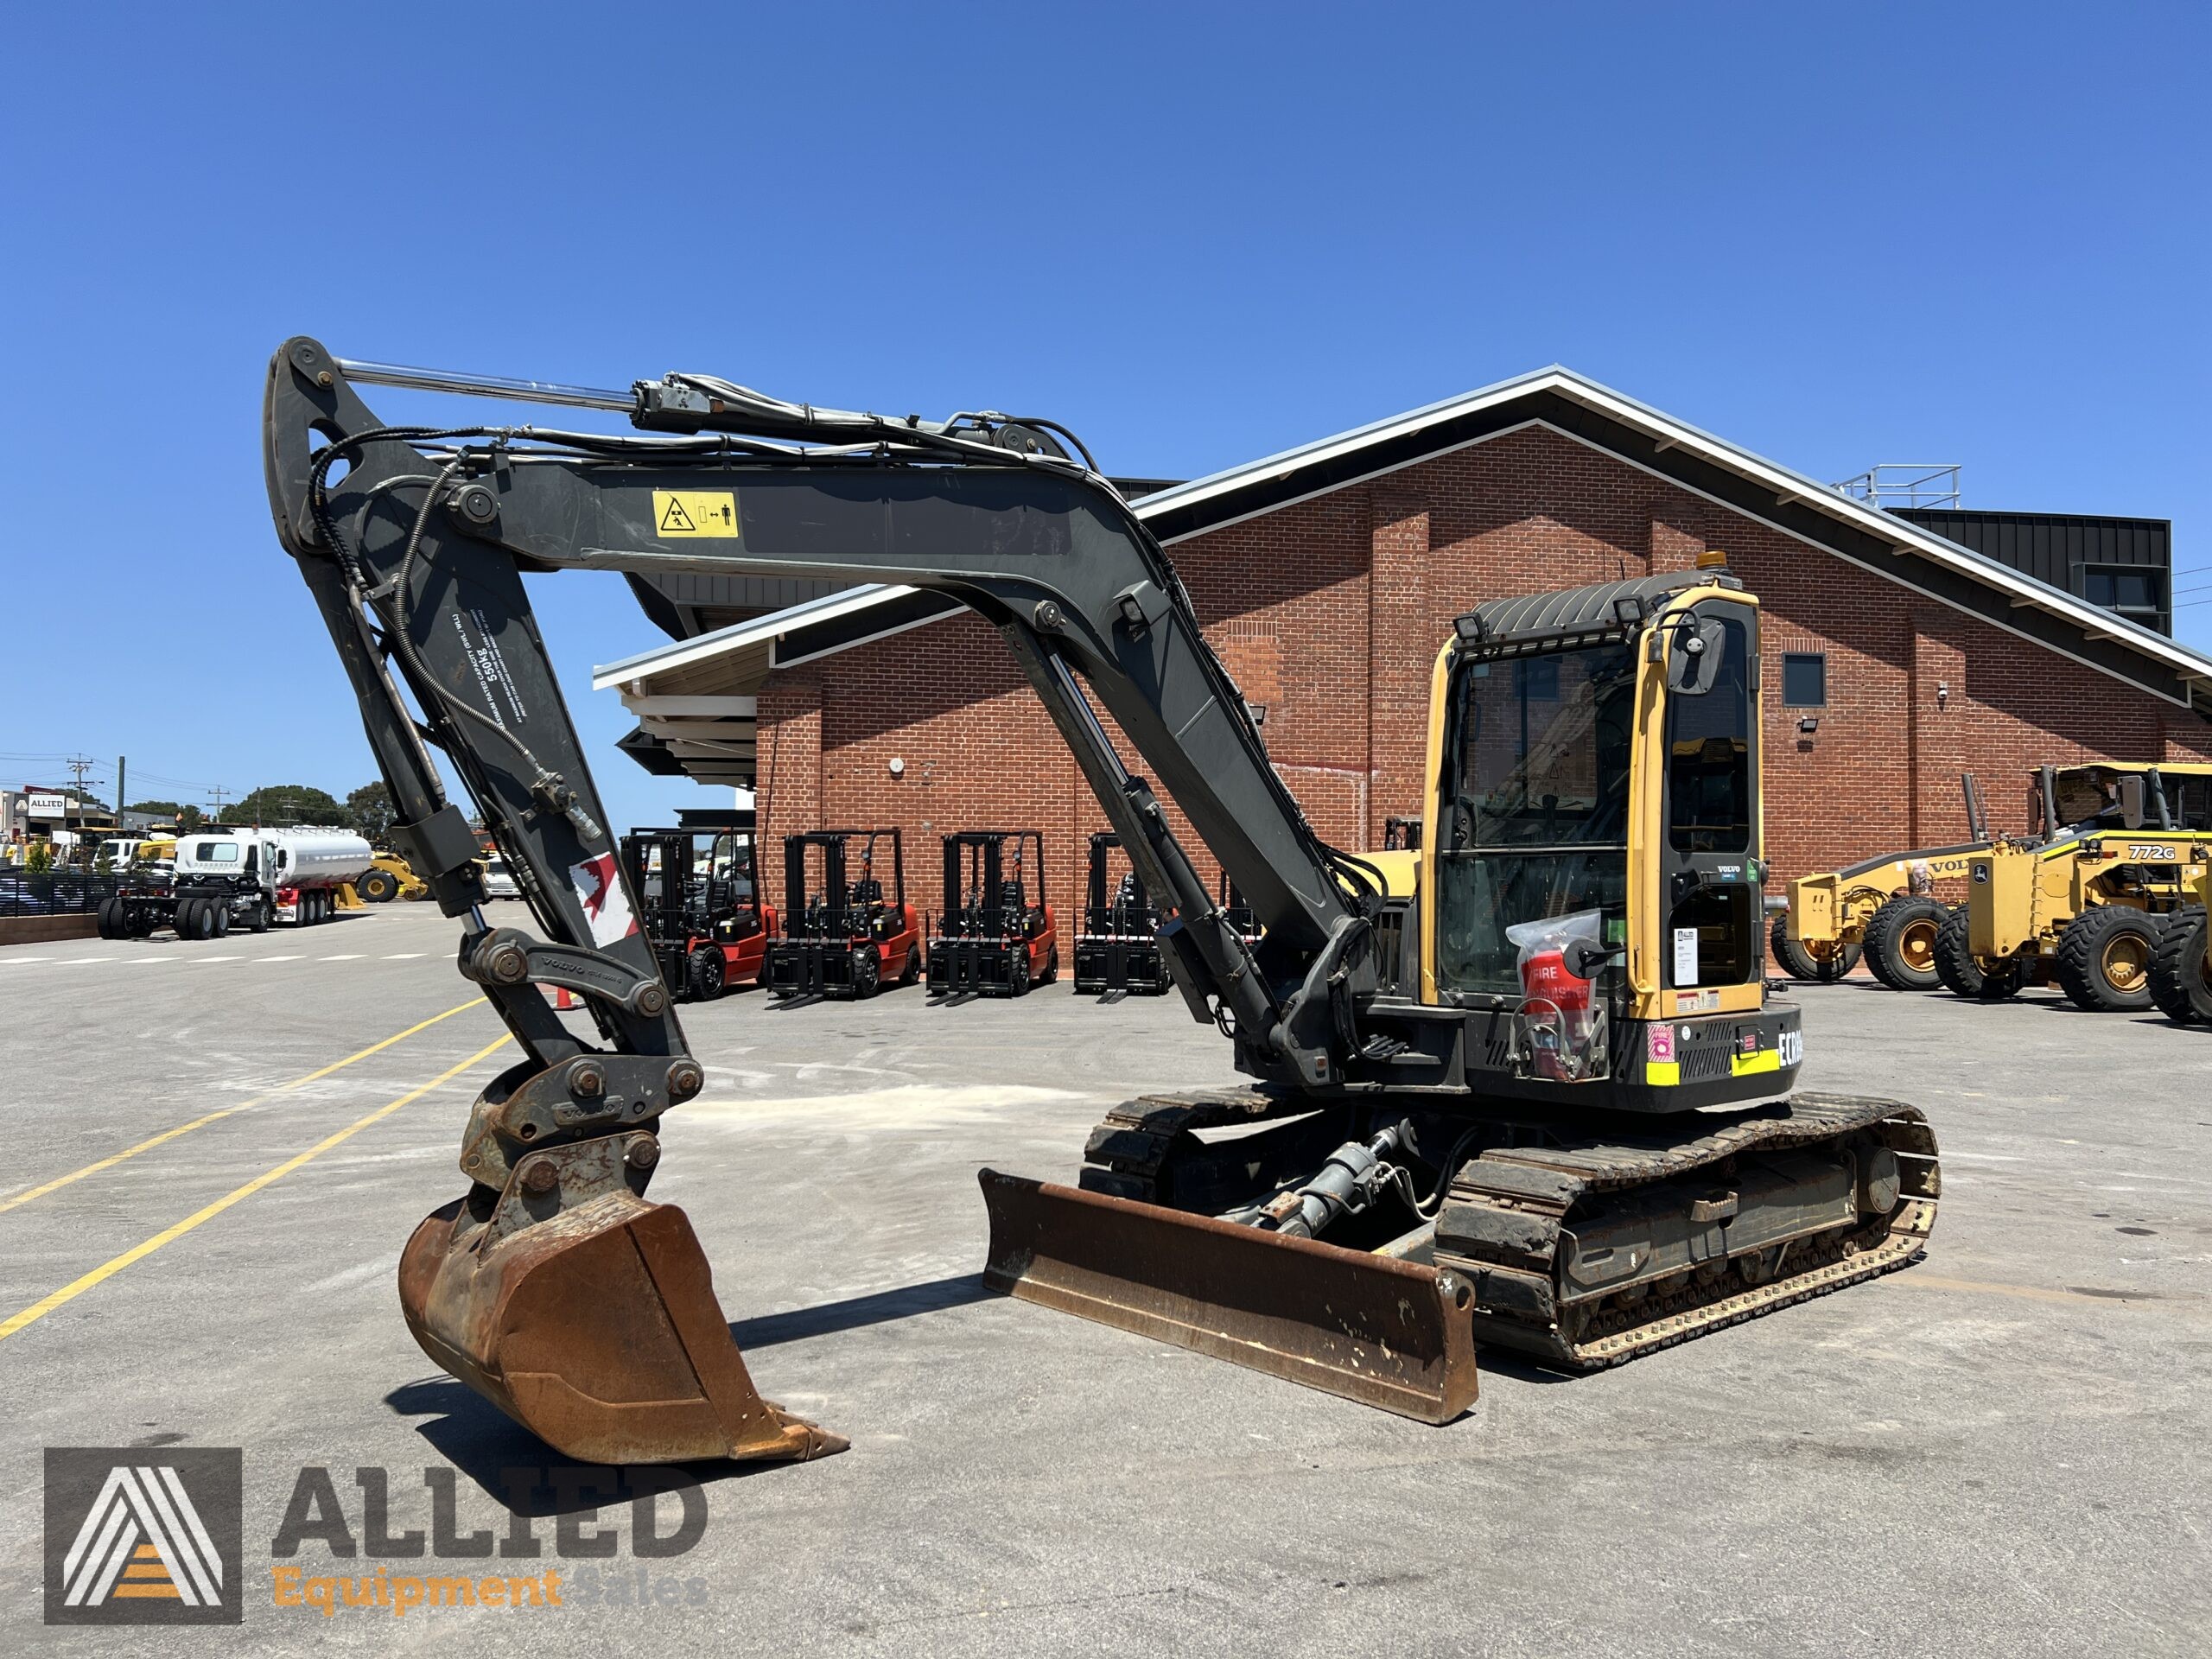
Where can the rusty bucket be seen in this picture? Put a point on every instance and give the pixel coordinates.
(596, 1328)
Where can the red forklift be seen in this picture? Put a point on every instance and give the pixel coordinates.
(1118, 951)
(991, 940)
(844, 938)
(699, 904)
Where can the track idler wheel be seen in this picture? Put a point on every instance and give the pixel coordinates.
(588, 1315)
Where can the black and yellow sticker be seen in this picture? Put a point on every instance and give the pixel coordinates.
(694, 512)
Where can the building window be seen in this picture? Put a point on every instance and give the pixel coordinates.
(1805, 679)
(2132, 592)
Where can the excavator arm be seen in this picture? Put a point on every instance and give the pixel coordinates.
(553, 1286)
(415, 557)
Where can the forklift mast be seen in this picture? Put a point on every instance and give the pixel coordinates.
(990, 887)
(851, 892)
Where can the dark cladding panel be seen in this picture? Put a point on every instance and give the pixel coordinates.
(2126, 565)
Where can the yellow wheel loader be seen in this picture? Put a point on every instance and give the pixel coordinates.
(390, 878)
(2084, 906)
(1884, 908)
(1523, 1084)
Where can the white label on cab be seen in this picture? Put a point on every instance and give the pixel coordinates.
(1686, 956)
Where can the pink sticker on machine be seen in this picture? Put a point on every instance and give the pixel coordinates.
(606, 907)
(1659, 1043)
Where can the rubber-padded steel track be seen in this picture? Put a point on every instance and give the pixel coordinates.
(1507, 1207)
(1502, 1221)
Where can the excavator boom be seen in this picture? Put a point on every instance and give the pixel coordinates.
(553, 1286)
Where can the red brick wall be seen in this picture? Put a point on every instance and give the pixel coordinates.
(1330, 611)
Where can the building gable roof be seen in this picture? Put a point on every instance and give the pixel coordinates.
(1586, 412)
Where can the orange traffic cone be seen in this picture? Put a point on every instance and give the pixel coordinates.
(561, 999)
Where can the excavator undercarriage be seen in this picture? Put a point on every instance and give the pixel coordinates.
(1524, 1075)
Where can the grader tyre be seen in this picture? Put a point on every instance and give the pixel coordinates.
(1965, 975)
(1901, 943)
(2103, 959)
(1819, 964)
(2180, 986)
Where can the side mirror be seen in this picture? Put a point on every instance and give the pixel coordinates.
(1585, 957)
(1693, 655)
(2131, 802)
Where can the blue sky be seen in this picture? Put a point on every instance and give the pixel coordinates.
(1196, 234)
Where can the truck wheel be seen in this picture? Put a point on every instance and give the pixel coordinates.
(219, 917)
(378, 888)
(110, 918)
(2103, 959)
(1820, 962)
(258, 920)
(1051, 965)
(868, 969)
(707, 972)
(911, 974)
(2179, 984)
(1965, 974)
(202, 923)
(1901, 943)
(1017, 973)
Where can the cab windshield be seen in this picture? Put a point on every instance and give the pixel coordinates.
(1536, 788)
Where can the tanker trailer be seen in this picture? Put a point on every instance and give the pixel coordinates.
(254, 877)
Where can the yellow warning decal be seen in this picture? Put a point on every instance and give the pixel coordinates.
(694, 512)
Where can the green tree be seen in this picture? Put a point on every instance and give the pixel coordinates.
(188, 819)
(370, 808)
(276, 805)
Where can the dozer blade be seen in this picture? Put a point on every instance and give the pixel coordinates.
(597, 1329)
(1370, 1328)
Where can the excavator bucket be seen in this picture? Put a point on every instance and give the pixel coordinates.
(1372, 1328)
(597, 1329)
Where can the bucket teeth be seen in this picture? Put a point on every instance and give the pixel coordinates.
(597, 1329)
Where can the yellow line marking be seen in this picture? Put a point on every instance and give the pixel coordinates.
(106, 1270)
(1990, 1287)
(60, 1181)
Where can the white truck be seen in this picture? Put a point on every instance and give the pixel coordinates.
(255, 877)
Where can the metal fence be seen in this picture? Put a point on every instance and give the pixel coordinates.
(63, 890)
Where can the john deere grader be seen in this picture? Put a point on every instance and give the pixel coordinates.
(1536, 1058)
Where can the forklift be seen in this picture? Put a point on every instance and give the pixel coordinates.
(991, 940)
(1118, 948)
(702, 913)
(843, 938)
(1238, 910)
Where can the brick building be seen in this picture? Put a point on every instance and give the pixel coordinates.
(1327, 577)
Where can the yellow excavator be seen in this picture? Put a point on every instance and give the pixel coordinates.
(1523, 1084)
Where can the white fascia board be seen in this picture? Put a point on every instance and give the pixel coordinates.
(729, 708)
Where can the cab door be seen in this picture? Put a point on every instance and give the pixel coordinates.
(1709, 891)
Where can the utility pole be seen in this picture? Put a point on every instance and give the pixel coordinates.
(121, 828)
(218, 792)
(79, 765)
